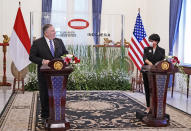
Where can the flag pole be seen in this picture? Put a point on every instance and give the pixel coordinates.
(18, 73)
(139, 10)
(18, 40)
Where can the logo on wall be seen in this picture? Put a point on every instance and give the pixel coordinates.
(78, 24)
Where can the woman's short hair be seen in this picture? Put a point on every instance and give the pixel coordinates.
(154, 37)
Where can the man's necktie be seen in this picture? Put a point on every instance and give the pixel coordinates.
(51, 48)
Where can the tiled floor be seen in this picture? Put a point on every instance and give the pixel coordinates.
(5, 93)
(179, 100)
(17, 118)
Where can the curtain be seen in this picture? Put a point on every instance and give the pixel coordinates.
(179, 47)
(96, 8)
(182, 44)
(46, 12)
(175, 11)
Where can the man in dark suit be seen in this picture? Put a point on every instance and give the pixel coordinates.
(42, 51)
(151, 56)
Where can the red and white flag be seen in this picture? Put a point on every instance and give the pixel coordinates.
(19, 48)
(138, 42)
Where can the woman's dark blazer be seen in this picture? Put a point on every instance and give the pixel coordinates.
(153, 58)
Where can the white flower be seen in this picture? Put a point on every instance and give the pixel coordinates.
(69, 56)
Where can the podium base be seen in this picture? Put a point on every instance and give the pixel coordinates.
(150, 121)
(57, 126)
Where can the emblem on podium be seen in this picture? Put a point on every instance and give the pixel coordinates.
(165, 65)
(58, 65)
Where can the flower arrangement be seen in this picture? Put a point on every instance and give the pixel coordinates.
(175, 61)
(70, 59)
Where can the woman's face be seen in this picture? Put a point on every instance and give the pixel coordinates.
(152, 43)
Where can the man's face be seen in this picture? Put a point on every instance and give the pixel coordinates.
(50, 33)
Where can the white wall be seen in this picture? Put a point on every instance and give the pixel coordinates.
(1, 21)
(154, 13)
(8, 10)
(157, 20)
(129, 8)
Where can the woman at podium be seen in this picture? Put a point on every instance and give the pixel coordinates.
(151, 56)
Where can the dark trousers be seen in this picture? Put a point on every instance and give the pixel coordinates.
(147, 92)
(44, 99)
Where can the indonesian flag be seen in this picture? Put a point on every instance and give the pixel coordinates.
(138, 42)
(20, 43)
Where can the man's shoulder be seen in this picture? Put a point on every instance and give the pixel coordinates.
(57, 39)
(39, 39)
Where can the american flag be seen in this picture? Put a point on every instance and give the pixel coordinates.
(138, 42)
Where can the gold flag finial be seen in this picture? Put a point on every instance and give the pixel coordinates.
(6, 39)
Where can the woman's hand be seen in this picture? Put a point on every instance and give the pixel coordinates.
(148, 62)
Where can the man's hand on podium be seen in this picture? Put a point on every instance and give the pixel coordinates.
(45, 62)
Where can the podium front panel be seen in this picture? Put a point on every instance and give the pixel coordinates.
(160, 90)
(57, 95)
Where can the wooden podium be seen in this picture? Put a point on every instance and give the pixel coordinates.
(158, 76)
(57, 75)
